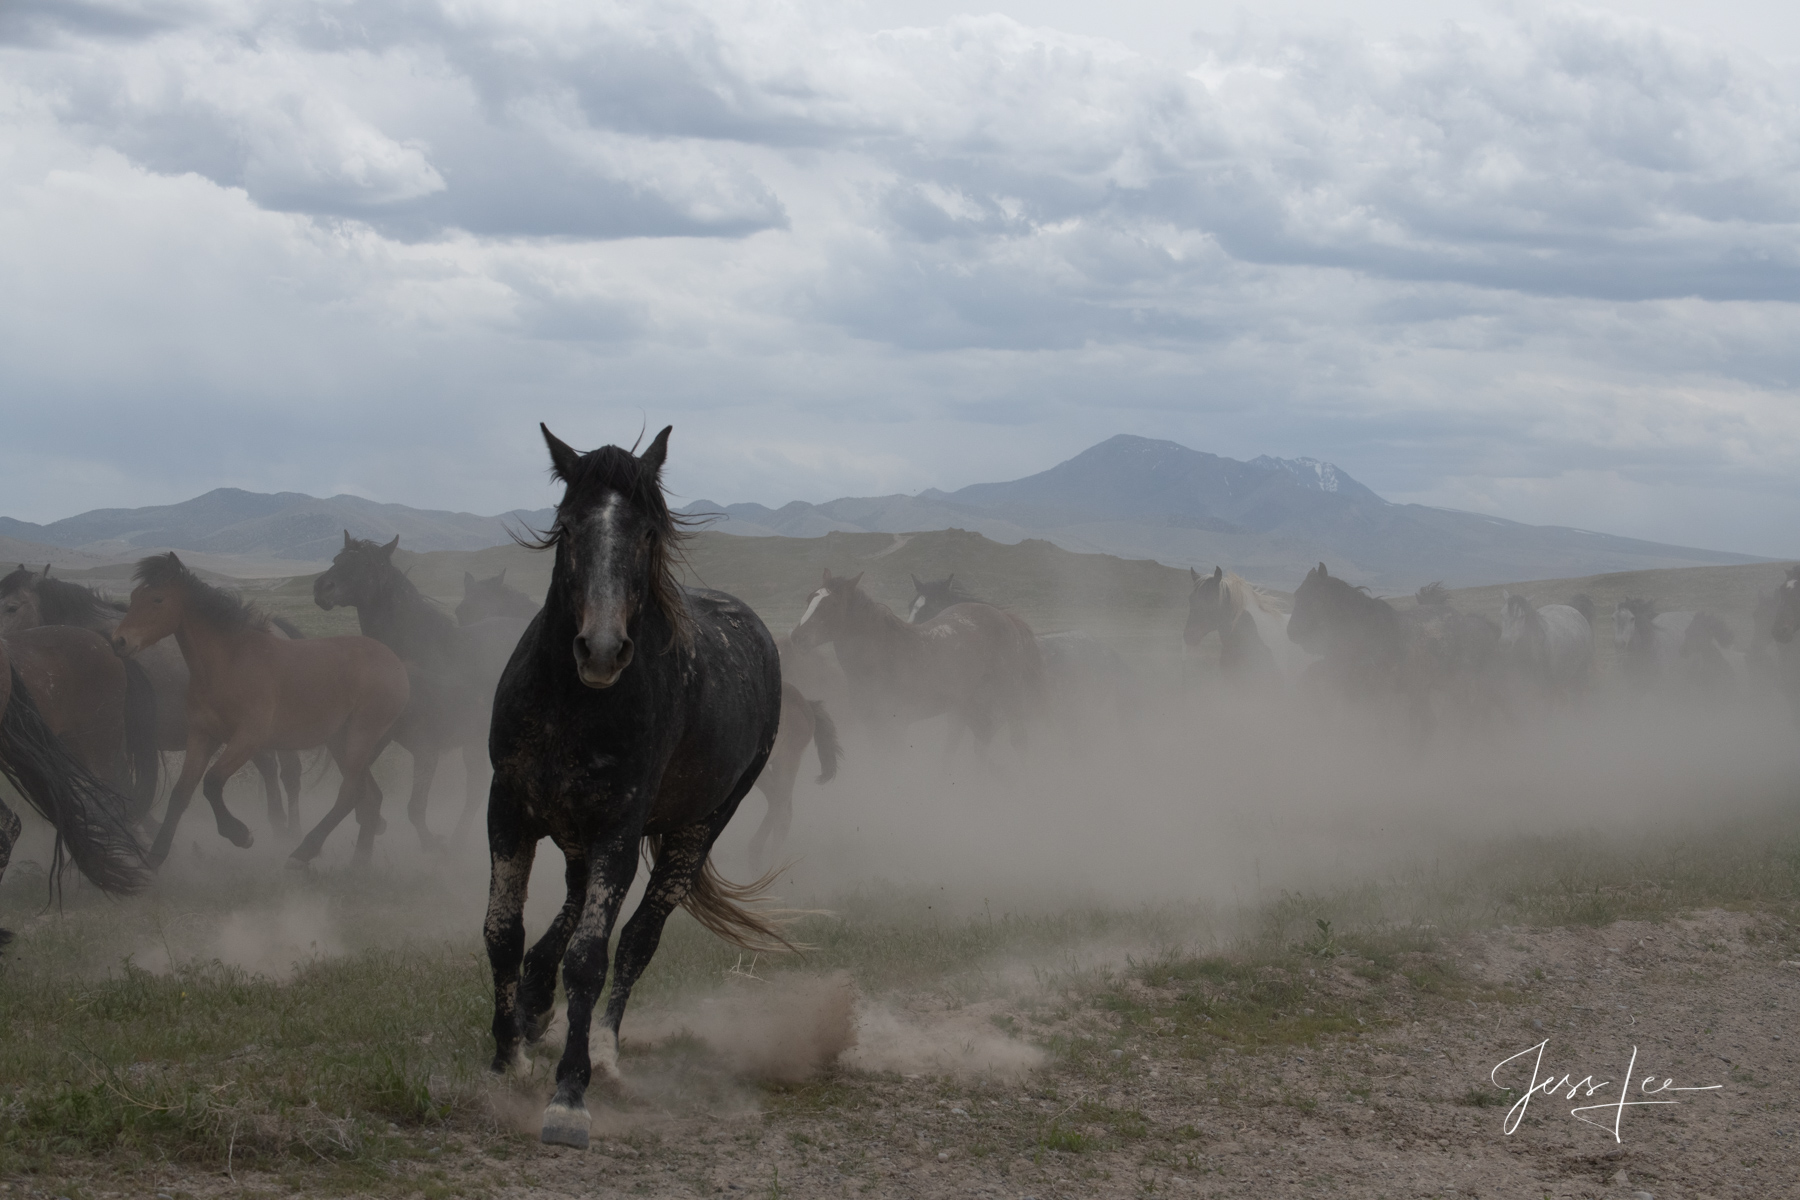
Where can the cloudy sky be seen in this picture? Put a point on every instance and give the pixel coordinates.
(1531, 259)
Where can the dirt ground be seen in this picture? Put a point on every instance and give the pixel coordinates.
(1400, 1105)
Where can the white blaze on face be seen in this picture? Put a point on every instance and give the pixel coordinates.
(812, 606)
(917, 605)
(605, 550)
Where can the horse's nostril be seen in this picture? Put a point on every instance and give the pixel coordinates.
(581, 649)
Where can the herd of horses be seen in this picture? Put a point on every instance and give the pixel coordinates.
(628, 715)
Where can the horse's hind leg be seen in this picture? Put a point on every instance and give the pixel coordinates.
(314, 842)
(776, 783)
(478, 774)
(289, 763)
(9, 837)
(611, 865)
(679, 861)
(193, 764)
(425, 764)
(265, 766)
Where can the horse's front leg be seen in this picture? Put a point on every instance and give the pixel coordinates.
(511, 851)
(238, 751)
(199, 752)
(537, 991)
(611, 866)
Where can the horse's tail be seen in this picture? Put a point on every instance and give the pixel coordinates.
(89, 817)
(825, 741)
(725, 908)
(141, 750)
(1583, 603)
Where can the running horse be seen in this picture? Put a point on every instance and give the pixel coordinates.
(29, 599)
(635, 714)
(452, 669)
(61, 705)
(1253, 643)
(251, 690)
(979, 663)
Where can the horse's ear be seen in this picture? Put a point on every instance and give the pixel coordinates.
(1323, 573)
(1219, 573)
(46, 570)
(387, 551)
(917, 586)
(948, 579)
(468, 580)
(563, 457)
(1194, 575)
(501, 577)
(659, 449)
(857, 579)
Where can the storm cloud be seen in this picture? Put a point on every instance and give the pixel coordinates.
(1544, 266)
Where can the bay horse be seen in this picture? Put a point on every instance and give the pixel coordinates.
(1550, 648)
(1368, 646)
(979, 663)
(29, 599)
(493, 597)
(803, 722)
(88, 815)
(635, 713)
(250, 690)
(453, 670)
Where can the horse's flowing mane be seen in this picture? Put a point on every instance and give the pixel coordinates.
(1239, 594)
(61, 602)
(225, 611)
(615, 469)
(1432, 595)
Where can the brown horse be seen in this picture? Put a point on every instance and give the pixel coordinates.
(976, 662)
(30, 598)
(62, 707)
(802, 721)
(250, 690)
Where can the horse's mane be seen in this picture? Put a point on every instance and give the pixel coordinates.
(1641, 610)
(1239, 594)
(226, 611)
(62, 603)
(1433, 595)
(947, 586)
(1517, 606)
(616, 469)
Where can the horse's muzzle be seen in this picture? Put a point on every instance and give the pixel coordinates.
(124, 647)
(601, 659)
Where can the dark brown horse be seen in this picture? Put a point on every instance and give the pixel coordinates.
(58, 700)
(803, 721)
(979, 663)
(29, 598)
(492, 597)
(250, 690)
(453, 669)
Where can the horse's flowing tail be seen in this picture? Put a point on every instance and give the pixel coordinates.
(90, 818)
(825, 741)
(141, 750)
(723, 907)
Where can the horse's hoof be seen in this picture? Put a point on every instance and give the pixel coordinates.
(238, 834)
(297, 864)
(565, 1126)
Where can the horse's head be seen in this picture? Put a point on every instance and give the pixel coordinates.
(827, 610)
(616, 544)
(1309, 623)
(358, 575)
(1205, 606)
(933, 596)
(158, 604)
(1514, 611)
(1632, 622)
(1787, 608)
(20, 606)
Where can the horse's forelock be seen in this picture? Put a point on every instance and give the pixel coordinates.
(613, 470)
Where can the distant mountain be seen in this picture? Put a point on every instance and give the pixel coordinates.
(1269, 519)
(286, 525)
